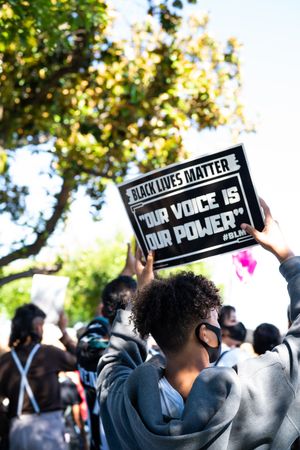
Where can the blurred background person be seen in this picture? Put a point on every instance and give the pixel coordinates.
(29, 379)
(75, 432)
(233, 336)
(265, 337)
(227, 316)
(91, 345)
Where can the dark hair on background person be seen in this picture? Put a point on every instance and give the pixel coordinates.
(237, 332)
(225, 314)
(265, 337)
(21, 325)
(116, 294)
(168, 308)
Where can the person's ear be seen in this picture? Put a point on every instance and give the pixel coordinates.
(202, 334)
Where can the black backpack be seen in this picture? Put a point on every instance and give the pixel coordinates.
(92, 343)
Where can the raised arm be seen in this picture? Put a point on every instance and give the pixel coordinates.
(129, 267)
(270, 391)
(65, 339)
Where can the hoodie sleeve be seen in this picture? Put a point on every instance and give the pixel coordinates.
(290, 351)
(290, 269)
(125, 352)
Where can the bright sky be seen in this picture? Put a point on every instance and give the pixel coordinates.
(269, 32)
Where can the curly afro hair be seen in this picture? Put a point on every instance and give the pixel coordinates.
(170, 308)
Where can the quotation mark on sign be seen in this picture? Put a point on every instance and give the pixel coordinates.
(236, 212)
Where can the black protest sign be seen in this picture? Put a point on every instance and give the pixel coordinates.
(192, 210)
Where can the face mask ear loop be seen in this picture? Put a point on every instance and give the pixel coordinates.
(216, 330)
(213, 352)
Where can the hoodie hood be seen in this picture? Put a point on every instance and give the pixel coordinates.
(211, 405)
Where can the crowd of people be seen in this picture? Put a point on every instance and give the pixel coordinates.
(163, 365)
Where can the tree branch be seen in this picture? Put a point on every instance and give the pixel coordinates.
(95, 173)
(29, 273)
(41, 238)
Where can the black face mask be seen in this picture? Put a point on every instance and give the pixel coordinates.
(213, 352)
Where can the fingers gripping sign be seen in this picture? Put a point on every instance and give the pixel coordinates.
(144, 271)
(271, 237)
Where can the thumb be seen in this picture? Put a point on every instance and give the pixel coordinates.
(250, 230)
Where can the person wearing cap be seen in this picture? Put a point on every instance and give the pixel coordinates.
(189, 404)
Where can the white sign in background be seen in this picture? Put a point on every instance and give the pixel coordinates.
(48, 293)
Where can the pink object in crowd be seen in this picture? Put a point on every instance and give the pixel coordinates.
(244, 263)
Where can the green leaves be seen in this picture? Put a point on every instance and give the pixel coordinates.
(109, 105)
(52, 86)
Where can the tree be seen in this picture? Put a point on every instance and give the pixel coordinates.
(94, 106)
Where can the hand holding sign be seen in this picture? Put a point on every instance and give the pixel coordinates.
(144, 272)
(271, 237)
(63, 321)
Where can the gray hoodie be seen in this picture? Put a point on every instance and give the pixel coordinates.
(257, 407)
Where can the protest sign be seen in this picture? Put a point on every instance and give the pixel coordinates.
(48, 293)
(192, 210)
